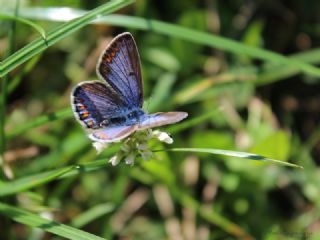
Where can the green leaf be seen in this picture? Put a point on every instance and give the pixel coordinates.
(34, 220)
(250, 156)
(36, 27)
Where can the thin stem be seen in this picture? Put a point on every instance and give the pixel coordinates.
(6, 173)
(3, 101)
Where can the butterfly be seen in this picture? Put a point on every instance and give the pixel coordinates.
(110, 109)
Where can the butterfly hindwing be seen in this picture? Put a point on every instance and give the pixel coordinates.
(119, 66)
(112, 134)
(93, 102)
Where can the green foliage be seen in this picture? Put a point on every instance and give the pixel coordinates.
(249, 84)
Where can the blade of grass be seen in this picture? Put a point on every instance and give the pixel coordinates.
(39, 45)
(34, 220)
(250, 156)
(92, 214)
(6, 170)
(192, 121)
(35, 26)
(22, 184)
(25, 183)
(3, 99)
(272, 73)
(39, 121)
(14, 83)
(161, 91)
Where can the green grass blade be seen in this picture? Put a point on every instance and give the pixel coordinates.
(3, 97)
(60, 115)
(35, 26)
(58, 34)
(161, 91)
(272, 73)
(34, 220)
(25, 183)
(14, 83)
(193, 121)
(22, 184)
(92, 214)
(250, 156)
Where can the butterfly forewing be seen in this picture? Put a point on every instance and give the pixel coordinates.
(161, 118)
(119, 66)
(93, 102)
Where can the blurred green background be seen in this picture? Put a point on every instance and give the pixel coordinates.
(235, 102)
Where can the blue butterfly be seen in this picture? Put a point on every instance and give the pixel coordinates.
(110, 110)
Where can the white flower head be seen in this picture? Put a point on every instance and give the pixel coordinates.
(114, 160)
(163, 136)
(130, 158)
(99, 146)
(135, 146)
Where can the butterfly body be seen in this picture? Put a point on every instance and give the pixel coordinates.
(128, 117)
(111, 109)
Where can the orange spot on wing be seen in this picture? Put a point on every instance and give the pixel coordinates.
(85, 114)
(108, 58)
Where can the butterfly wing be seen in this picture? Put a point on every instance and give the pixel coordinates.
(119, 66)
(93, 102)
(112, 134)
(160, 119)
